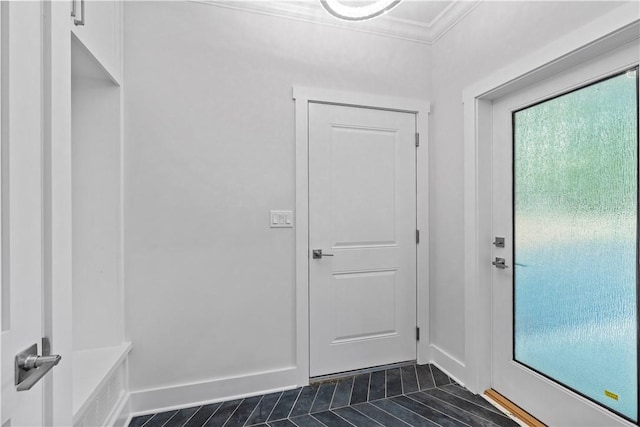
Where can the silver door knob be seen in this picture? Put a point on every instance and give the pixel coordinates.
(317, 254)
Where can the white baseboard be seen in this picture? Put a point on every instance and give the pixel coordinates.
(451, 366)
(216, 390)
(186, 395)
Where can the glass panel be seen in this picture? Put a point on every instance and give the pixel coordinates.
(575, 240)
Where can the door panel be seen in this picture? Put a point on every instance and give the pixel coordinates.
(565, 198)
(355, 320)
(22, 207)
(362, 203)
(366, 199)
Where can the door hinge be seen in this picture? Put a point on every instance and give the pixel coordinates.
(417, 139)
(417, 333)
(417, 236)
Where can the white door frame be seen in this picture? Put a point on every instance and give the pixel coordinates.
(303, 96)
(611, 30)
(58, 175)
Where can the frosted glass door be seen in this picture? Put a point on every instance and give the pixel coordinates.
(575, 240)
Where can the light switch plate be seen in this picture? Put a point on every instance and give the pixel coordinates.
(280, 219)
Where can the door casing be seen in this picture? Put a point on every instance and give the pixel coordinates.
(612, 30)
(303, 96)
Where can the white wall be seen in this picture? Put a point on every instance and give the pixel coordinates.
(489, 38)
(209, 149)
(97, 289)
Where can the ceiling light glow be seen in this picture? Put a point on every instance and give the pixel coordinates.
(363, 12)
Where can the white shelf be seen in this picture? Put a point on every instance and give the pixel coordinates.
(90, 370)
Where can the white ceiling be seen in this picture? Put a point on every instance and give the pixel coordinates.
(420, 11)
(423, 21)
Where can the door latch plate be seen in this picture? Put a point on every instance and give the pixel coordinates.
(21, 372)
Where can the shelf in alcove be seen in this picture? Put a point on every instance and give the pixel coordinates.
(86, 64)
(91, 368)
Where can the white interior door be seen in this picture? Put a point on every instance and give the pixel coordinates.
(565, 185)
(22, 203)
(362, 216)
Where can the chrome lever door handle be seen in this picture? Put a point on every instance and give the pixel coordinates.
(31, 361)
(30, 368)
(500, 263)
(317, 254)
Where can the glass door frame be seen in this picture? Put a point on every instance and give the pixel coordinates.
(612, 30)
(619, 73)
(549, 401)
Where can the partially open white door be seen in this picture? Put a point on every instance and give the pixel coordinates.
(22, 204)
(362, 216)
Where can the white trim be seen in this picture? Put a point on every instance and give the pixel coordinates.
(146, 402)
(386, 26)
(302, 96)
(100, 64)
(61, 211)
(120, 416)
(448, 373)
(447, 363)
(120, 412)
(216, 390)
(93, 369)
(121, 176)
(358, 99)
(613, 29)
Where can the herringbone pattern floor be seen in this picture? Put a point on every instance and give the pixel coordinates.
(414, 395)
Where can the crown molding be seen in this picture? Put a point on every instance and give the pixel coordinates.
(387, 25)
(450, 17)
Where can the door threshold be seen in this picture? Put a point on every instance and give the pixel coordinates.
(339, 375)
(512, 409)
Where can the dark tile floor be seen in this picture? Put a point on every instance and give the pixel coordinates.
(414, 395)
